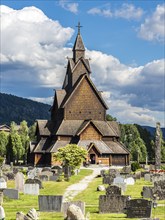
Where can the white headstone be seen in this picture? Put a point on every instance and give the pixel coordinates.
(129, 181)
(31, 189)
(2, 212)
(118, 179)
(3, 184)
(19, 182)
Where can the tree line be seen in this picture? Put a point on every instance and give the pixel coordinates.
(14, 146)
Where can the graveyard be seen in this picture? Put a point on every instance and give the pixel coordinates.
(45, 195)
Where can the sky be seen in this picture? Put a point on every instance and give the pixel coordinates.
(124, 42)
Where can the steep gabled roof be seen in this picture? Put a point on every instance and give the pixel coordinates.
(85, 125)
(77, 84)
(44, 145)
(85, 62)
(60, 94)
(115, 126)
(44, 127)
(105, 128)
(69, 127)
(101, 147)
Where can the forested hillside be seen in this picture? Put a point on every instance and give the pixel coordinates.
(13, 108)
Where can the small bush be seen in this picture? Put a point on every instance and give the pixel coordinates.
(135, 166)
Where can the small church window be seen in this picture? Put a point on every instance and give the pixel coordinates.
(70, 112)
(89, 112)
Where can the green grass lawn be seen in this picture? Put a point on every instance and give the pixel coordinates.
(26, 202)
(90, 196)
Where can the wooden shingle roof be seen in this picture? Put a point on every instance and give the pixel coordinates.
(116, 147)
(44, 127)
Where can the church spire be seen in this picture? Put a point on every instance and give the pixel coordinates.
(78, 49)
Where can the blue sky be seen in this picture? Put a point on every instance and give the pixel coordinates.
(124, 41)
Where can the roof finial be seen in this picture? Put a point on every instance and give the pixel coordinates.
(79, 26)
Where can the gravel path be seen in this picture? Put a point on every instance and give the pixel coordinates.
(76, 188)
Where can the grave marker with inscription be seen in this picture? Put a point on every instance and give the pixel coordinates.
(138, 208)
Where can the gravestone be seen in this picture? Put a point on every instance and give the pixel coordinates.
(119, 181)
(147, 192)
(107, 179)
(19, 182)
(101, 188)
(147, 177)
(129, 181)
(66, 205)
(138, 208)
(2, 212)
(102, 172)
(3, 184)
(158, 147)
(1, 197)
(33, 181)
(159, 189)
(58, 168)
(112, 204)
(31, 189)
(11, 193)
(50, 203)
(54, 177)
(138, 175)
(74, 213)
(157, 177)
(10, 176)
(43, 177)
(113, 190)
(46, 169)
(126, 169)
(47, 173)
(113, 201)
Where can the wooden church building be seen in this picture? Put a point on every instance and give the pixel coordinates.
(78, 115)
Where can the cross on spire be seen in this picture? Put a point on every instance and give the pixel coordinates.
(79, 26)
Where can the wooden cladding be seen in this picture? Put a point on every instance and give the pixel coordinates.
(84, 104)
(90, 133)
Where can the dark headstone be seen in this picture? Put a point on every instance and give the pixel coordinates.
(54, 178)
(107, 179)
(113, 190)
(112, 204)
(126, 169)
(11, 193)
(10, 176)
(159, 189)
(50, 203)
(43, 177)
(138, 208)
(147, 192)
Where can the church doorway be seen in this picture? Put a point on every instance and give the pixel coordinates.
(93, 158)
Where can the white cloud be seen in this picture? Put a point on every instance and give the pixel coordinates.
(153, 28)
(47, 100)
(72, 7)
(127, 11)
(37, 60)
(102, 12)
(38, 46)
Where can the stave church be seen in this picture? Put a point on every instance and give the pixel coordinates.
(78, 116)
